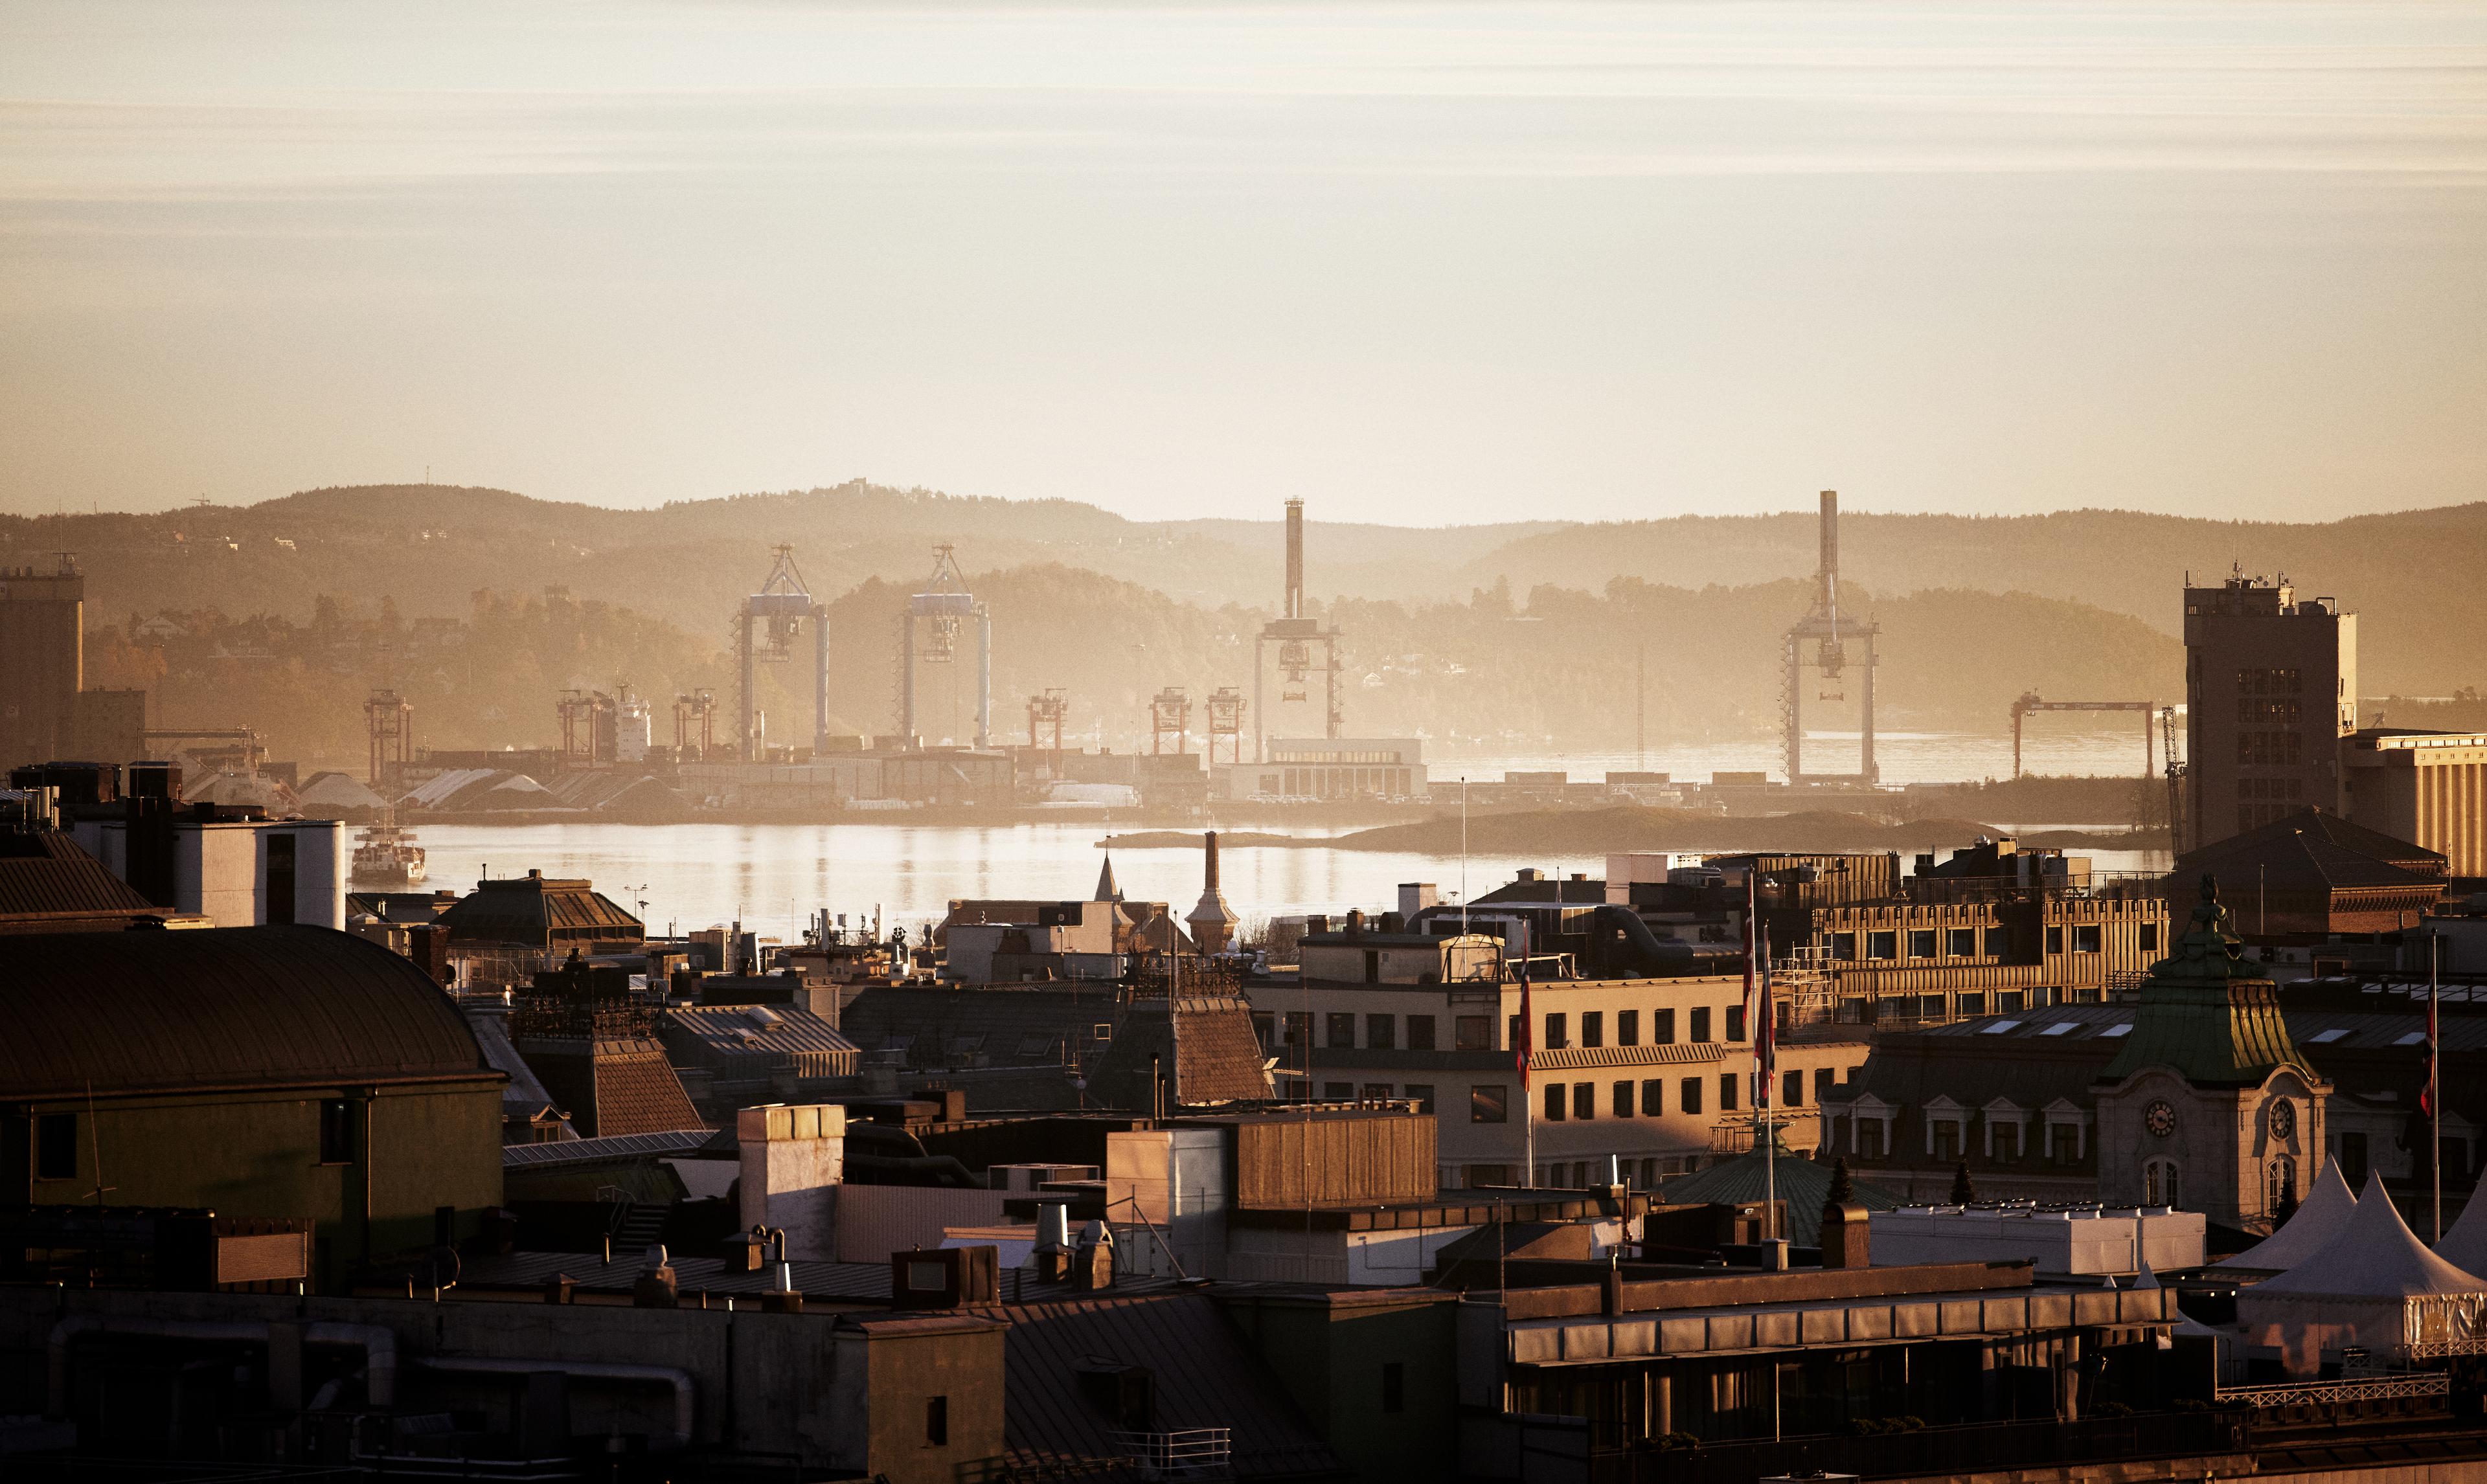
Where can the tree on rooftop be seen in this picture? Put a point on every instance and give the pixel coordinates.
(1964, 1191)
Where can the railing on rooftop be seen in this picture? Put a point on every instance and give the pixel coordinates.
(2408, 1385)
(1189, 1453)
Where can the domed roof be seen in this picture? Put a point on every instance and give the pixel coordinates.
(172, 1009)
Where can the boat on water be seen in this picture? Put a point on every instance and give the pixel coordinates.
(385, 854)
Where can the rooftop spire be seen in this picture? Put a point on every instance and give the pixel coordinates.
(1107, 891)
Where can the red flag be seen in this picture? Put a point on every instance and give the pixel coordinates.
(2427, 1094)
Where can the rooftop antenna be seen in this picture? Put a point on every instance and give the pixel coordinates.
(94, 1142)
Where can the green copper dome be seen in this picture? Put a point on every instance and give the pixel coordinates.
(2206, 1013)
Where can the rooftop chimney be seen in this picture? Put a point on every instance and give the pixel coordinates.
(1827, 599)
(1295, 559)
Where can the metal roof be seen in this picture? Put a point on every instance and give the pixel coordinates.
(612, 1146)
(1202, 1375)
(759, 1037)
(164, 1011)
(45, 873)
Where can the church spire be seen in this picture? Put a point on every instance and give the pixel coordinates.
(2207, 1013)
(1106, 888)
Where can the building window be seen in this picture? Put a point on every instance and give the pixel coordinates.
(1964, 942)
(1792, 1089)
(1946, 1139)
(1553, 1102)
(1623, 1100)
(1883, 944)
(1264, 1026)
(1688, 1098)
(1727, 1091)
(1999, 942)
(936, 1421)
(1381, 1031)
(1420, 1033)
(1470, 1032)
(2146, 937)
(1558, 1030)
(2008, 1001)
(1700, 1028)
(1627, 1028)
(1869, 1137)
(1342, 1030)
(2162, 1184)
(2279, 1184)
(2006, 1137)
(336, 1131)
(2064, 1143)
(1394, 1386)
(1516, 1032)
(1843, 946)
(2353, 1160)
(1652, 1097)
(2054, 939)
(56, 1146)
(1662, 1027)
(1338, 1092)
(1593, 1027)
(1825, 1078)
(1490, 1103)
(1299, 1027)
(1585, 1101)
(2085, 938)
(1735, 1022)
(1422, 1093)
(1973, 1003)
(281, 875)
(1921, 942)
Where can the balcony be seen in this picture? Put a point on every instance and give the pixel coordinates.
(1192, 1453)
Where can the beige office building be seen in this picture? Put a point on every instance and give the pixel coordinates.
(2426, 788)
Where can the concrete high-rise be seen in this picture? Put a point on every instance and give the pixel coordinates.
(42, 661)
(2270, 686)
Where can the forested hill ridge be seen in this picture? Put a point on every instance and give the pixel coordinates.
(1528, 632)
(2409, 574)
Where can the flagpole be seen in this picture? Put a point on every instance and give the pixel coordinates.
(1527, 1098)
(2434, 1091)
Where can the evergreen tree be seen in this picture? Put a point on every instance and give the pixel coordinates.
(1843, 1189)
(1964, 1191)
(2287, 1206)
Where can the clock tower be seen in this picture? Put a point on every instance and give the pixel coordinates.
(2209, 1106)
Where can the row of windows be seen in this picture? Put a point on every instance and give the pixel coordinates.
(2283, 711)
(2269, 749)
(1341, 1029)
(2271, 787)
(1646, 1098)
(1963, 942)
(2270, 682)
(2063, 1142)
(1661, 1026)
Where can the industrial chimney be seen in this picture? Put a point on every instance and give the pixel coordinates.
(1213, 922)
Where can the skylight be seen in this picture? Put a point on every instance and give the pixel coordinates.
(2327, 1037)
(2410, 1039)
(2062, 1027)
(1998, 1028)
(2121, 1028)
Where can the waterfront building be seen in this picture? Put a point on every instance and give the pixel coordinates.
(2271, 687)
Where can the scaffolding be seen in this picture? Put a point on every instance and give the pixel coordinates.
(390, 719)
(1046, 712)
(1226, 720)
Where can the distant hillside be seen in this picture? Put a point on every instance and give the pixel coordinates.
(1524, 635)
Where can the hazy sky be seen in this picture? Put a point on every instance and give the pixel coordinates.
(1417, 264)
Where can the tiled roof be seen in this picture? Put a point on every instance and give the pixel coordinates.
(613, 1088)
(1201, 1371)
(538, 912)
(132, 1011)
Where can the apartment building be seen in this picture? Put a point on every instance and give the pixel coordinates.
(1654, 1072)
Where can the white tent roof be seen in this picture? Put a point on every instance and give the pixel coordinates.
(2320, 1218)
(2374, 1257)
(2464, 1243)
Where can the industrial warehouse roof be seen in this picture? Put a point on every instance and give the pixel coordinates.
(758, 1037)
(49, 884)
(538, 911)
(1201, 1374)
(167, 1011)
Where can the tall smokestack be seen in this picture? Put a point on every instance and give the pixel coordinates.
(1827, 598)
(1295, 559)
(1210, 876)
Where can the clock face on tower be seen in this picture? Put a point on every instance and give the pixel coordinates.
(2160, 1119)
(2283, 1121)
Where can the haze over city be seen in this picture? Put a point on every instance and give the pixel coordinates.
(1642, 742)
(1417, 264)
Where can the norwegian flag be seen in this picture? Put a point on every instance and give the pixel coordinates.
(1758, 1017)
